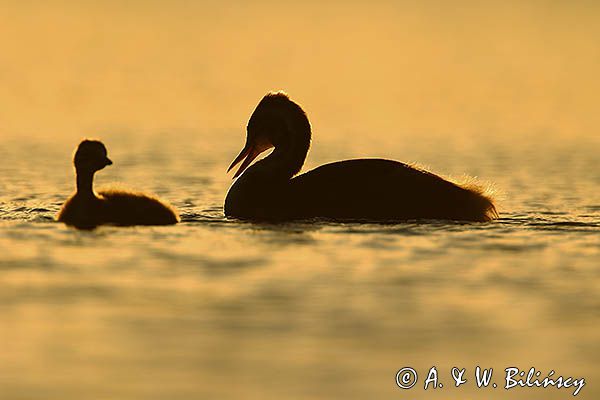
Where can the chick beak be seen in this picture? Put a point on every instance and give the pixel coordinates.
(107, 161)
(248, 154)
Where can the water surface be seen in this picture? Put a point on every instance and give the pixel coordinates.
(220, 308)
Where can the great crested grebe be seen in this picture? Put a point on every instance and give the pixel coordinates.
(362, 189)
(86, 209)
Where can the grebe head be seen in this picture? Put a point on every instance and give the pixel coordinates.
(91, 156)
(276, 122)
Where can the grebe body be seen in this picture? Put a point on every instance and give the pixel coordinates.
(87, 209)
(361, 189)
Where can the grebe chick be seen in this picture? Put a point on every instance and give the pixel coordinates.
(363, 189)
(87, 209)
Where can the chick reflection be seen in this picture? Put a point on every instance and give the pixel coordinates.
(363, 189)
(86, 209)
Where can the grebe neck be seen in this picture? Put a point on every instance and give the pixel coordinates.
(85, 181)
(288, 157)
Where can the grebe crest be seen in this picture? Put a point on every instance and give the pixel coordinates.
(91, 155)
(276, 122)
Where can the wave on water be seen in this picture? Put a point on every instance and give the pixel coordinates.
(213, 215)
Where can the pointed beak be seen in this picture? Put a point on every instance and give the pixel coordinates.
(107, 161)
(248, 154)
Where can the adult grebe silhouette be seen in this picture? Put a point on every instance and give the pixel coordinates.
(363, 189)
(86, 209)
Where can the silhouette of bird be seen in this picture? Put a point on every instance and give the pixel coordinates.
(86, 209)
(359, 189)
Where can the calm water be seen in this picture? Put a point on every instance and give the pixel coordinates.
(505, 91)
(216, 308)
